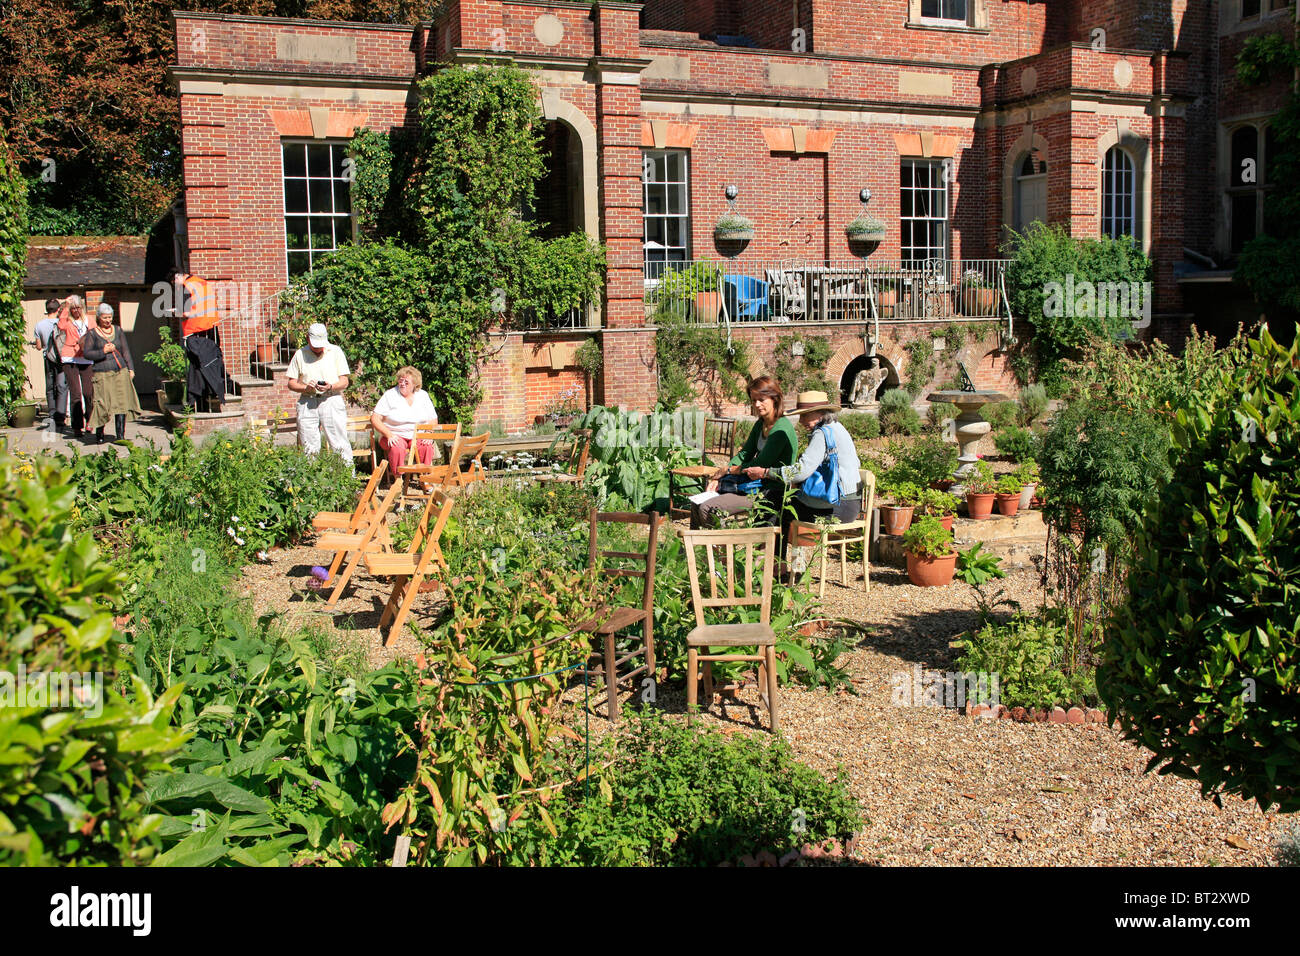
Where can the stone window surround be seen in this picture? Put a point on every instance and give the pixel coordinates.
(977, 18)
(1028, 142)
(1138, 149)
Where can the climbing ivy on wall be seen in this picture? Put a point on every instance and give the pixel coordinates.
(806, 372)
(13, 269)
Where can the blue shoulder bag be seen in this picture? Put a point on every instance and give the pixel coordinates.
(824, 483)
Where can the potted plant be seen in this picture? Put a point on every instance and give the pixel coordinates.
(896, 516)
(864, 235)
(931, 555)
(939, 505)
(977, 297)
(885, 283)
(174, 364)
(1007, 495)
(1027, 474)
(697, 286)
(22, 414)
(980, 485)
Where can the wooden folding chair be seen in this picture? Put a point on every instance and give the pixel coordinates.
(424, 477)
(470, 447)
(624, 617)
(409, 568)
(707, 636)
(351, 521)
(577, 461)
(804, 534)
(371, 535)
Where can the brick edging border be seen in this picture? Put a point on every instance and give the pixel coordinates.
(1057, 715)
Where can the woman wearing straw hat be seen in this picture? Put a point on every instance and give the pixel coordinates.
(817, 412)
(114, 397)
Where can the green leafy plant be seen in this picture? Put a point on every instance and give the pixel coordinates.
(170, 356)
(1018, 444)
(805, 372)
(732, 225)
(861, 426)
(696, 362)
(1027, 656)
(1009, 485)
(866, 227)
(897, 416)
(903, 494)
(1027, 472)
(922, 460)
(920, 367)
(632, 454)
(927, 538)
(980, 480)
(13, 269)
(1000, 414)
(937, 503)
(940, 412)
(684, 796)
(976, 568)
(76, 746)
(1199, 662)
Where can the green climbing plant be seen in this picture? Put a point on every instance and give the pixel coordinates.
(13, 269)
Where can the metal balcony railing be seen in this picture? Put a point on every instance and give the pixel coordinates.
(711, 292)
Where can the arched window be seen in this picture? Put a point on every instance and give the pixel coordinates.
(1031, 191)
(1118, 194)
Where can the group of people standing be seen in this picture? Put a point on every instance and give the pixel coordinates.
(89, 370)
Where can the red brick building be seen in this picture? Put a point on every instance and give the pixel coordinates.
(963, 117)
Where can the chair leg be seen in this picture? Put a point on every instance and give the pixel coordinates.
(866, 571)
(399, 585)
(412, 589)
(770, 653)
(692, 677)
(844, 548)
(708, 685)
(825, 546)
(648, 630)
(344, 579)
(611, 680)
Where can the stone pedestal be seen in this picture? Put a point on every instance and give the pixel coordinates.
(970, 425)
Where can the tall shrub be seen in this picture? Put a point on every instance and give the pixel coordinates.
(1200, 662)
(13, 269)
(72, 767)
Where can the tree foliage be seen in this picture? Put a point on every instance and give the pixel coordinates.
(1200, 663)
(84, 84)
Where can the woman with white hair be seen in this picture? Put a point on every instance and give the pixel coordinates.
(114, 393)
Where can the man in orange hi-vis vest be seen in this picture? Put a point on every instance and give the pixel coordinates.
(200, 306)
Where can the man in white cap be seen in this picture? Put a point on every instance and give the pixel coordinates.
(319, 373)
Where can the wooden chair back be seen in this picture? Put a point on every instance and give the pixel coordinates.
(719, 437)
(867, 485)
(438, 434)
(647, 559)
(429, 532)
(750, 539)
(470, 447)
(580, 452)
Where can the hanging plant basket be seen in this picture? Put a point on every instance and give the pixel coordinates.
(733, 228)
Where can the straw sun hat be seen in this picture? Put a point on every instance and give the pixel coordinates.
(812, 402)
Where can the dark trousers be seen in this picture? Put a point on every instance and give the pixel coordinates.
(81, 393)
(56, 392)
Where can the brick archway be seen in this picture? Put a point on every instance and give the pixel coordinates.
(849, 352)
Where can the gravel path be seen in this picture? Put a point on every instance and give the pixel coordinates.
(938, 788)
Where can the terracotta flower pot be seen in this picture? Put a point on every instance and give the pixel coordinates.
(978, 506)
(977, 301)
(707, 306)
(265, 352)
(931, 572)
(886, 302)
(895, 519)
(946, 521)
(1008, 503)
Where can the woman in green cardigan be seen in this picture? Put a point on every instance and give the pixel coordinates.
(771, 444)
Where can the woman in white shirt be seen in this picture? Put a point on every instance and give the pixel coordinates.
(398, 413)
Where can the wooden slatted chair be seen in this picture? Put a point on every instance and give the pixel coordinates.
(704, 637)
(471, 447)
(354, 520)
(409, 568)
(608, 657)
(418, 479)
(803, 534)
(370, 536)
(719, 441)
(577, 462)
